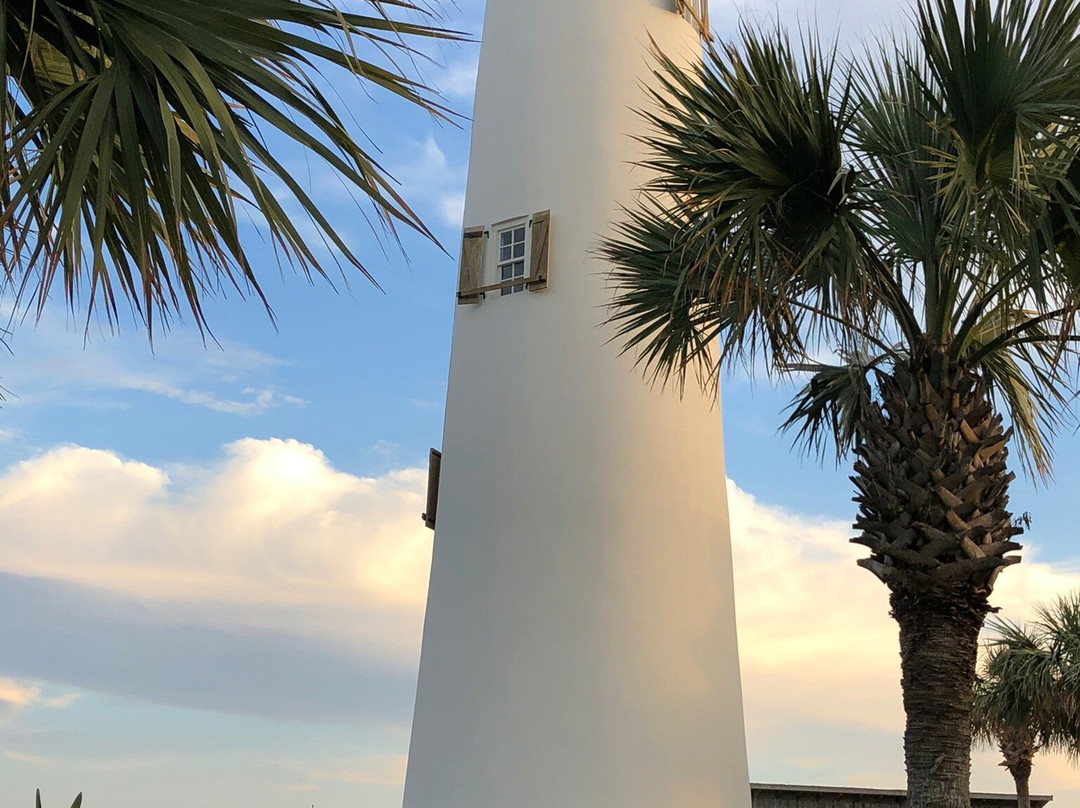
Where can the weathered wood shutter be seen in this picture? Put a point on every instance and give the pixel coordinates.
(471, 271)
(697, 14)
(539, 251)
(434, 473)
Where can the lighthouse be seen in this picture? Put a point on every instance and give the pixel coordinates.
(579, 649)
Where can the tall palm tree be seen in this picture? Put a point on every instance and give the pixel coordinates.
(1027, 699)
(913, 218)
(132, 141)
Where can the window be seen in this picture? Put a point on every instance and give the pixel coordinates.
(518, 263)
(511, 266)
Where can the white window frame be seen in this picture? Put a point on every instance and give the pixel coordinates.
(511, 226)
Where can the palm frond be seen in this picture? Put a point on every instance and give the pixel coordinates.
(759, 221)
(1030, 679)
(1003, 75)
(133, 135)
(835, 404)
(926, 196)
(1025, 373)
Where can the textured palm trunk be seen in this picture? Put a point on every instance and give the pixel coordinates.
(939, 637)
(1019, 748)
(933, 501)
(1022, 778)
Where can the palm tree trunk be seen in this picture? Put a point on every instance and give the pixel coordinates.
(939, 637)
(933, 494)
(1018, 748)
(1022, 778)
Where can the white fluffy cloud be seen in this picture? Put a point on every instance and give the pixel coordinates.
(820, 656)
(273, 537)
(17, 697)
(271, 533)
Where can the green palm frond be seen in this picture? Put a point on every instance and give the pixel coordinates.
(834, 404)
(662, 315)
(1025, 371)
(134, 137)
(1003, 75)
(754, 201)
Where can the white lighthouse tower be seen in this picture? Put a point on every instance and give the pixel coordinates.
(579, 649)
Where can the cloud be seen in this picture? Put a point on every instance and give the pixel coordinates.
(175, 584)
(18, 697)
(431, 179)
(56, 366)
(270, 523)
(820, 656)
(459, 78)
(383, 770)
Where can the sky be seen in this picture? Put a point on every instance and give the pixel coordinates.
(212, 567)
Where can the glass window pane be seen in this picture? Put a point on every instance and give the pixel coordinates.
(519, 235)
(505, 238)
(519, 250)
(507, 273)
(505, 253)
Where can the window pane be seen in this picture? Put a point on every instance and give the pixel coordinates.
(519, 235)
(519, 269)
(505, 238)
(519, 250)
(506, 253)
(507, 273)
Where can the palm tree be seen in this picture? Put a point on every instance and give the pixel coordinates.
(76, 804)
(133, 137)
(1027, 699)
(912, 217)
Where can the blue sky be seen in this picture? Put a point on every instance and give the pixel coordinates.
(212, 567)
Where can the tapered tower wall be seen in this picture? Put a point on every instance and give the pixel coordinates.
(579, 648)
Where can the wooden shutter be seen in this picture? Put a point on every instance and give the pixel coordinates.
(434, 473)
(471, 271)
(540, 249)
(697, 14)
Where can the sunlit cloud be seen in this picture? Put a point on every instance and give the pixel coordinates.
(232, 558)
(272, 522)
(17, 697)
(820, 656)
(370, 770)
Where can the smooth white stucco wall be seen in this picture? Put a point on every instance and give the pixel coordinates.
(580, 647)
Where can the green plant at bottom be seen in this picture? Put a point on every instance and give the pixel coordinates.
(76, 804)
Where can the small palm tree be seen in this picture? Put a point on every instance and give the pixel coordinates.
(914, 215)
(132, 137)
(76, 804)
(1027, 699)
